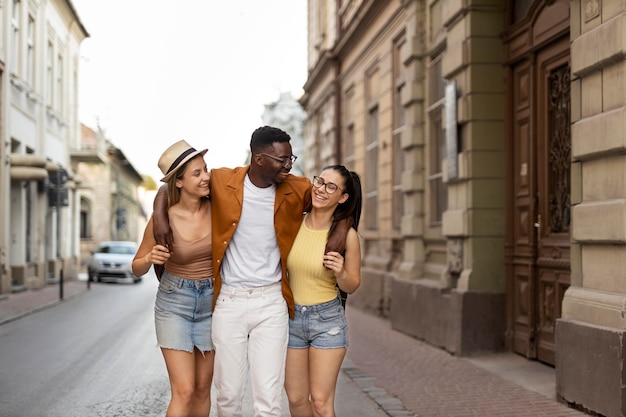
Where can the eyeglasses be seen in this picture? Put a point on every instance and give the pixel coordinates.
(285, 161)
(330, 187)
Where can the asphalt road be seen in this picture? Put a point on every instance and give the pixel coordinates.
(96, 355)
(92, 356)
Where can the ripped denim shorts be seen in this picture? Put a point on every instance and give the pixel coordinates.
(182, 313)
(321, 326)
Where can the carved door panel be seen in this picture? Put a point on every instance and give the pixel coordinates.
(539, 234)
(521, 271)
(553, 205)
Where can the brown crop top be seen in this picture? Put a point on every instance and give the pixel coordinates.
(191, 259)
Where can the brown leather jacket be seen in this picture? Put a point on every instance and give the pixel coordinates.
(293, 198)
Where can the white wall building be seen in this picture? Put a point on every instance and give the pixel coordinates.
(39, 126)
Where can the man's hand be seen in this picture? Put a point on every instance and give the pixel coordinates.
(161, 224)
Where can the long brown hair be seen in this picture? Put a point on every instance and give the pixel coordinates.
(348, 213)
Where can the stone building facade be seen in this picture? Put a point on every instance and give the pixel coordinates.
(108, 193)
(489, 137)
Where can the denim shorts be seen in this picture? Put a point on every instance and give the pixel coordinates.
(182, 313)
(321, 326)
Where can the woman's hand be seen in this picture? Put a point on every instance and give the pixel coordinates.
(159, 255)
(347, 268)
(334, 261)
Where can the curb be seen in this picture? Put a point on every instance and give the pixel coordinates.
(39, 308)
(390, 404)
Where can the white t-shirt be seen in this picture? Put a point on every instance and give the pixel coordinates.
(252, 257)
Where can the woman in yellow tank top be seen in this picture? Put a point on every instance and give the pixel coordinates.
(318, 334)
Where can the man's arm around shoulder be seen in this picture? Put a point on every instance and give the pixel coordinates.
(161, 223)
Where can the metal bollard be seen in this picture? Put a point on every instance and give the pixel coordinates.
(61, 286)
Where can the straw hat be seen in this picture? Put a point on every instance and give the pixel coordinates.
(175, 156)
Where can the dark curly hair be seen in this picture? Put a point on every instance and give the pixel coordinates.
(264, 136)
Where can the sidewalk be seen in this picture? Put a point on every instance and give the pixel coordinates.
(16, 305)
(402, 375)
(431, 382)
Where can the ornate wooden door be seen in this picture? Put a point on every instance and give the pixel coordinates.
(552, 224)
(538, 235)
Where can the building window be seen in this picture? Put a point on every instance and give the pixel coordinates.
(85, 219)
(15, 36)
(398, 129)
(436, 19)
(59, 83)
(348, 138)
(371, 171)
(30, 52)
(438, 193)
(348, 147)
(49, 74)
(371, 149)
(319, 32)
(317, 155)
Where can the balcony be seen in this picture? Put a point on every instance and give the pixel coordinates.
(92, 147)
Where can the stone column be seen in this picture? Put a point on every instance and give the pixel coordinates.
(590, 369)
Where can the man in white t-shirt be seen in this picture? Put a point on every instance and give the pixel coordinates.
(256, 214)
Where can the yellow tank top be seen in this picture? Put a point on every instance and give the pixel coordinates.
(310, 282)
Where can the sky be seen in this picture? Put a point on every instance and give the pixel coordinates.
(153, 72)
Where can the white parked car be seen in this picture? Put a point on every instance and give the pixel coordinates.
(112, 261)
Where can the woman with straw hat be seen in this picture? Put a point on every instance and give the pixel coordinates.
(182, 309)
